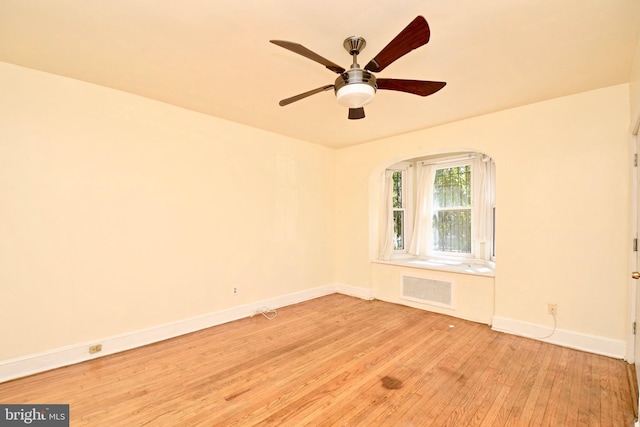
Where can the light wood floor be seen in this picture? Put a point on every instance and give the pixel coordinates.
(341, 361)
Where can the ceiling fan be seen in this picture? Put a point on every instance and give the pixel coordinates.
(356, 87)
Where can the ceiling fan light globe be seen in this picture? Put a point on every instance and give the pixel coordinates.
(355, 95)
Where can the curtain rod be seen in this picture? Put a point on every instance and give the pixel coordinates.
(448, 159)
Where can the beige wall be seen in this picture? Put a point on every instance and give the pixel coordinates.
(119, 213)
(635, 87)
(563, 207)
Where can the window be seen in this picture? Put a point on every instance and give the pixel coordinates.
(451, 213)
(398, 211)
(401, 204)
(452, 209)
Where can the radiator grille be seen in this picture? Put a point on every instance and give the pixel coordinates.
(429, 291)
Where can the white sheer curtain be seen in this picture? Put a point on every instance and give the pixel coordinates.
(385, 245)
(421, 240)
(481, 205)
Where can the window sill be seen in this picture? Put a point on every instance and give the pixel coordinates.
(472, 267)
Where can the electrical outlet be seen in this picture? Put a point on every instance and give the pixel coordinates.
(95, 348)
(235, 291)
(553, 309)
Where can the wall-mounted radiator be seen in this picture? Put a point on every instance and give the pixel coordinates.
(428, 291)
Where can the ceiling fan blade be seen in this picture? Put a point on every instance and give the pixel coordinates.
(412, 37)
(301, 50)
(417, 87)
(356, 113)
(304, 95)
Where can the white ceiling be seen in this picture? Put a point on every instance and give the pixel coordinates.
(214, 56)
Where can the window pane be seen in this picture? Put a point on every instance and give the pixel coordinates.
(397, 189)
(398, 230)
(452, 187)
(452, 231)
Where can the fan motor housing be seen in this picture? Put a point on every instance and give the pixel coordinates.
(357, 95)
(353, 76)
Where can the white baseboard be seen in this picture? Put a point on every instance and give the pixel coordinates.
(354, 291)
(565, 338)
(32, 364)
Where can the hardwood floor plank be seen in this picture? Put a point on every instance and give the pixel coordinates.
(340, 361)
(328, 379)
(523, 410)
(514, 375)
(589, 413)
(375, 364)
(545, 394)
(557, 411)
(622, 405)
(451, 377)
(429, 347)
(573, 394)
(477, 404)
(461, 373)
(603, 389)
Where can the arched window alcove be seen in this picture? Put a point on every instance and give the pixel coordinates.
(435, 211)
